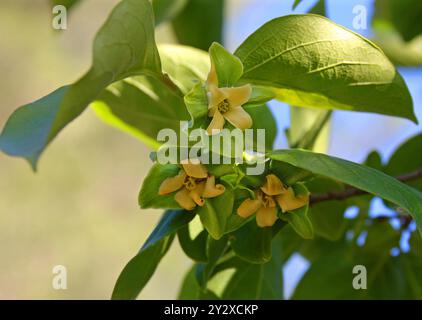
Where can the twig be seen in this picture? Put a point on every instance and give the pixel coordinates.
(350, 192)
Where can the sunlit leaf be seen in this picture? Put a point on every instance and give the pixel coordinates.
(313, 62)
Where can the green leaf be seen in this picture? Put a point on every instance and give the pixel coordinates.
(227, 66)
(404, 160)
(141, 106)
(374, 160)
(193, 240)
(200, 23)
(331, 274)
(252, 243)
(319, 8)
(327, 217)
(215, 212)
(332, 67)
(140, 269)
(197, 104)
(186, 66)
(296, 3)
(215, 250)
(165, 10)
(259, 96)
(190, 288)
(290, 174)
(149, 197)
(263, 118)
(358, 176)
(401, 53)
(237, 279)
(123, 47)
(310, 129)
(403, 15)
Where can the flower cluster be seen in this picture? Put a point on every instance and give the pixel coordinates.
(193, 185)
(267, 197)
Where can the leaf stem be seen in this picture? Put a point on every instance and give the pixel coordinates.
(350, 192)
(308, 140)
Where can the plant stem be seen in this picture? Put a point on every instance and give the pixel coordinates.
(350, 192)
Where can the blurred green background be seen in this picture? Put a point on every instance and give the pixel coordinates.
(80, 209)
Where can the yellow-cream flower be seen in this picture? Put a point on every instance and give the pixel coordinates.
(193, 185)
(226, 104)
(266, 199)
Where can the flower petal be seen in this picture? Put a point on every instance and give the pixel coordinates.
(266, 217)
(216, 124)
(212, 79)
(194, 168)
(196, 194)
(172, 184)
(273, 185)
(211, 189)
(184, 200)
(249, 207)
(238, 96)
(288, 201)
(239, 118)
(212, 110)
(215, 96)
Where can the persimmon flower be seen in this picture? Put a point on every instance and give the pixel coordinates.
(193, 185)
(267, 197)
(226, 104)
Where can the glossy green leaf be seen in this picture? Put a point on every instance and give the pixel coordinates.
(149, 197)
(327, 217)
(309, 129)
(200, 23)
(319, 8)
(252, 243)
(237, 279)
(186, 66)
(123, 47)
(141, 106)
(166, 10)
(197, 105)
(290, 174)
(311, 61)
(140, 269)
(331, 274)
(190, 288)
(358, 176)
(215, 250)
(404, 160)
(215, 212)
(227, 66)
(296, 3)
(193, 240)
(263, 119)
(403, 15)
(374, 160)
(401, 53)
